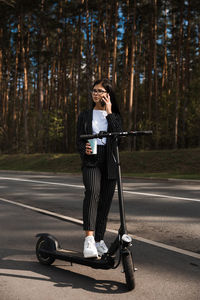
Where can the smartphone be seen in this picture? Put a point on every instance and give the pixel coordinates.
(102, 102)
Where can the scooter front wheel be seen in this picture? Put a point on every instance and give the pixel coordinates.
(44, 243)
(128, 266)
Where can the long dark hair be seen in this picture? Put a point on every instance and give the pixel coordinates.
(108, 87)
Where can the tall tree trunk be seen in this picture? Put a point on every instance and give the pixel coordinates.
(199, 44)
(59, 59)
(155, 70)
(150, 66)
(126, 55)
(125, 68)
(164, 72)
(46, 81)
(106, 36)
(105, 69)
(178, 67)
(5, 97)
(91, 50)
(114, 63)
(137, 84)
(1, 61)
(88, 55)
(132, 61)
(25, 88)
(15, 92)
(134, 140)
(187, 73)
(41, 67)
(125, 78)
(99, 45)
(79, 58)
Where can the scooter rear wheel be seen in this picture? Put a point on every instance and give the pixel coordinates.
(128, 265)
(45, 244)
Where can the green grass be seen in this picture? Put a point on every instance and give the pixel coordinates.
(183, 164)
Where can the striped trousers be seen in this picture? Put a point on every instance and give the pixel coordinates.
(99, 191)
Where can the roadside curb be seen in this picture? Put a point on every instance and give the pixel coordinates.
(78, 174)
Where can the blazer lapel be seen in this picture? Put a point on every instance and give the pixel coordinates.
(89, 121)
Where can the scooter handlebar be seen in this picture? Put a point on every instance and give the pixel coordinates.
(103, 134)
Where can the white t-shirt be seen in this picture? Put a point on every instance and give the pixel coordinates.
(99, 123)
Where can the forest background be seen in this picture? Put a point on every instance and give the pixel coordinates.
(52, 51)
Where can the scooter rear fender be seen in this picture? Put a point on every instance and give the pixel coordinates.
(52, 241)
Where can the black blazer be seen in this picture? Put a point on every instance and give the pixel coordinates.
(84, 126)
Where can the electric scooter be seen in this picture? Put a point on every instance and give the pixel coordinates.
(48, 248)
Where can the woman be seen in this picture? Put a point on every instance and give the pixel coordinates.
(99, 170)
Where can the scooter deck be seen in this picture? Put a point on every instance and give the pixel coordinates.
(77, 257)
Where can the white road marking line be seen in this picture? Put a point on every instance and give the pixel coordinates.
(162, 196)
(81, 186)
(43, 182)
(44, 211)
(79, 222)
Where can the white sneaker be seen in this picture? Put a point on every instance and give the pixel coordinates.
(90, 249)
(101, 248)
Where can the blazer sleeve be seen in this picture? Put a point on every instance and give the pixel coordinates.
(114, 122)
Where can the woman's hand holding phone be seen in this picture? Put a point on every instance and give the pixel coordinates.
(105, 100)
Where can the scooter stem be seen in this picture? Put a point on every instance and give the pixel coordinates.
(123, 229)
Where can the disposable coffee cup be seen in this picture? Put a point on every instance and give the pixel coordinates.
(93, 144)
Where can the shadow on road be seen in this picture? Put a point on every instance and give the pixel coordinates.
(56, 274)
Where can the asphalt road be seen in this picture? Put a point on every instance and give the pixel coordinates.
(163, 211)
